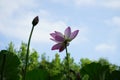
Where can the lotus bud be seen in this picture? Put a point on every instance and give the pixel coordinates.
(35, 21)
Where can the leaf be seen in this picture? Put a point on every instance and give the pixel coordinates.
(115, 75)
(11, 65)
(95, 71)
(37, 74)
(57, 77)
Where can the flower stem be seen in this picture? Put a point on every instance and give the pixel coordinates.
(27, 54)
(68, 68)
(3, 65)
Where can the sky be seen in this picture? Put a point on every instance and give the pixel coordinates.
(97, 20)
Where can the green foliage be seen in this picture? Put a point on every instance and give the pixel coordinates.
(55, 66)
(44, 64)
(84, 61)
(22, 53)
(55, 69)
(115, 75)
(103, 61)
(37, 74)
(112, 67)
(33, 57)
(95, 71)
(33, 60)
(11, 48)
(11, 65)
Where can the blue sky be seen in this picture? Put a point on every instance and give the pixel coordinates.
(97, 20)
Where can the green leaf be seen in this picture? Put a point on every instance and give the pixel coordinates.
(115, 75)
(11, 65)
(95, 71)
(37, 74)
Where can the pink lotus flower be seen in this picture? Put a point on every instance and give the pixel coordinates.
(63, 40)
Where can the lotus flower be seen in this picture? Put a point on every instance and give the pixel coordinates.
(62, 40)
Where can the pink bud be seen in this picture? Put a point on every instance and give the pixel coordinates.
(35, 21)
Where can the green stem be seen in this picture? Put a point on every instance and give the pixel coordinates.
(68, 68)
(27, 55)
(3, 65)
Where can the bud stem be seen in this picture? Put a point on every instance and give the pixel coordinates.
(27, 54)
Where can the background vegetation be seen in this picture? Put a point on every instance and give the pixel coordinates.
(12, 63)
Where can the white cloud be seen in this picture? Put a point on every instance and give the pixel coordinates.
(114, 4)
(44, 13)
(76, 2)
(41, 32)
(84, 2)
(60, 1)
(114, 30)
(105, 47)
(18, 27)
(83, 34)
(15, 21)
(115, 21)
(9, 7)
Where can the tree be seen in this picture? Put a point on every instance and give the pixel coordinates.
(104, 61)
(73, 68)
(84, 61)
(33, 58)
(44, 64)
(11, 48)
(55, 68)
(21, 53)
(56, 65)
